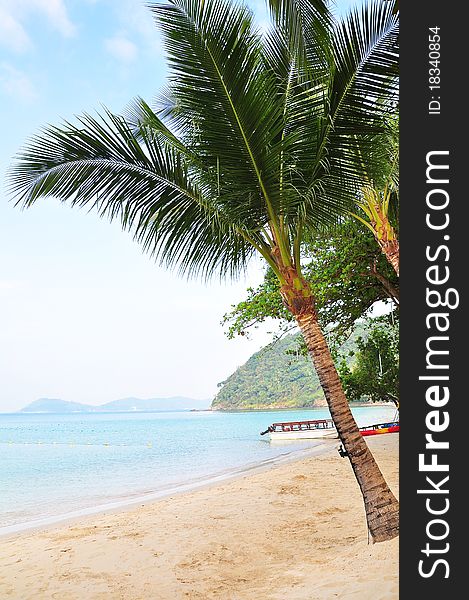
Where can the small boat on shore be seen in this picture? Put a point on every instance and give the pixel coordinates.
(301, 430)
(391, 427)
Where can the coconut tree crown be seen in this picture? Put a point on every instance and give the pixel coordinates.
(253, 142)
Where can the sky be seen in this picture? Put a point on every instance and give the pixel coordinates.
(85, 316)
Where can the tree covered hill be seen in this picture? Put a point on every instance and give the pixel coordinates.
(276, 377)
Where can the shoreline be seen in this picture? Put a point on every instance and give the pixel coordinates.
(297, 408)
(22, 412)
(118, 505)
(293, 530)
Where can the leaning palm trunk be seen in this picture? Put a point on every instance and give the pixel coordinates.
(381, 506)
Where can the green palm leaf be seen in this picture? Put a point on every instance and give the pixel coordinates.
(306, 25)
(140, 182)
(224, 116)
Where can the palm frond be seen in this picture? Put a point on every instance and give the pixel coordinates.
(225, 107)
(367, 60)
(151, 189)
(363, 86)
(307, 26)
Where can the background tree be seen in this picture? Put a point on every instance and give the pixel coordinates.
(250, 148)
(375, 372)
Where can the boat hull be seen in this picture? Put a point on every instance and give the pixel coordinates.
(303, 435)
(393, 428)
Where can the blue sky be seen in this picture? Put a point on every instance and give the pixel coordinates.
(84, 315)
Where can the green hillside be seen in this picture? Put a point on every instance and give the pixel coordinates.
(273, 378)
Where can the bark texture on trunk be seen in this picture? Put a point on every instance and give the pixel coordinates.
(386, 236)
(391, 290)
(381, 506)
(390, 249)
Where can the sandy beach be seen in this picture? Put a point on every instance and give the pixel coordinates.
(296, 531)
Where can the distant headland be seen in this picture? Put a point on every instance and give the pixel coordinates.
(55, 405)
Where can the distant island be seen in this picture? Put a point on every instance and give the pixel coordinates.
(55, 405)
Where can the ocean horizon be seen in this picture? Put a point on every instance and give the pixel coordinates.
(55, 466)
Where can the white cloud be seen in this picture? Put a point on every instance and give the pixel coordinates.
(138, 19)
(57, 15)
(14, 13)
(15, 83)
(12, 33)
(121, 48)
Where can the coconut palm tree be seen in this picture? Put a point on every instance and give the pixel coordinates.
(251, 146)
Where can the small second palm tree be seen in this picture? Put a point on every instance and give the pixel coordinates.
(379, 196)
(375, 205)
(252, 146)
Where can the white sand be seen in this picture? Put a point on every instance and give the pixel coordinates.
(296, 531)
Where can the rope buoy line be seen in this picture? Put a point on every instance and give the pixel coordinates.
(41, 443)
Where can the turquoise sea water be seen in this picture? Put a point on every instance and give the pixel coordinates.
(53, 465)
